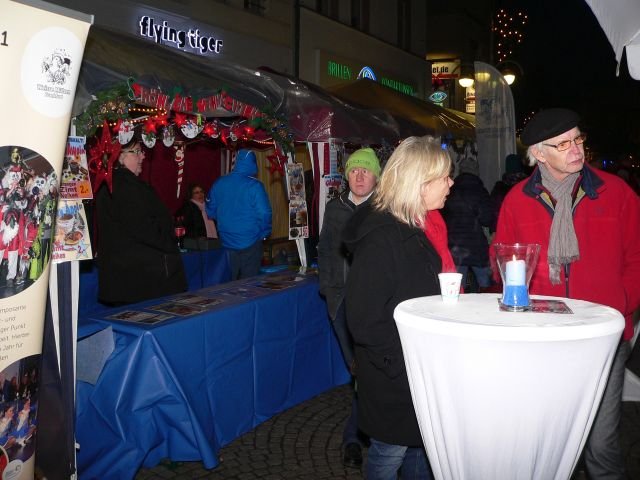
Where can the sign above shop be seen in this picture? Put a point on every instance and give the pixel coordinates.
(445, 70)
(345, 72)
(189, 39)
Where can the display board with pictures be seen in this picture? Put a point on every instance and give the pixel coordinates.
(71, 238)
(75, 183)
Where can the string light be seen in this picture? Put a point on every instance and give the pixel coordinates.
(509, 30)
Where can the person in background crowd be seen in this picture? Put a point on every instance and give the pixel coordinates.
(514, 173)
(467, 213)
(393, 260)
(194, 217)
(362, 171)
(138, 257)
(627, 172)
(588, 225)
(240, 206)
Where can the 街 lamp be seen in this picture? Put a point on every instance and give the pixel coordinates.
(510, 70)
(465, 81)
(509, 76)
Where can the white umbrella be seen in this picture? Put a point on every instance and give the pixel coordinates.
(620, 20)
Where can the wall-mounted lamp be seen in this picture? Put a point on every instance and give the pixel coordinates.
(465, 82)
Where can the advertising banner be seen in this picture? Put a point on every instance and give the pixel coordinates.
(41, 48)
(495, 122)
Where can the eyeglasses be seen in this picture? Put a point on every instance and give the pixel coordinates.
(137, 151)
(566, 145)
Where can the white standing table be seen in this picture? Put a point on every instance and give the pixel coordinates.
(502, 395)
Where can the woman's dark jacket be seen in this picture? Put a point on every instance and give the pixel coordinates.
(392, 262)
(469, 208)
(138, 257)
(192, 220)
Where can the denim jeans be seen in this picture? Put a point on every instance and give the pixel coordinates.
(602, 453)
(482, 274)
(385, 461)
(246, 262)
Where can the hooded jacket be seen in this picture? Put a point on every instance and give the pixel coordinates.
(606, 218)
(392, 262)
(240, 205)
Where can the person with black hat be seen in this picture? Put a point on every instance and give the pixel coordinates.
(588, 225)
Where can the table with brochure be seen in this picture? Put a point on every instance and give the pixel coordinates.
(190, 373)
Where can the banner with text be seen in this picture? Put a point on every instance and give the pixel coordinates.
(41, 50)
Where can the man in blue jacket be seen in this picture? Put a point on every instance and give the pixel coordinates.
(239, 204)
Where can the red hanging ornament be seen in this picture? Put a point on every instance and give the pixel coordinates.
(208, 129)
(150, 125)
(180, 119)
(102, 157)
(248, 132)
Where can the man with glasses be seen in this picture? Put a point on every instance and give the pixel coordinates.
(588, 225)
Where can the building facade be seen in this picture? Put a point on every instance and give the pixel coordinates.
(326, 42)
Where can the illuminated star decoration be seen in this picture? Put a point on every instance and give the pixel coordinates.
(276, 162)
(102, 156)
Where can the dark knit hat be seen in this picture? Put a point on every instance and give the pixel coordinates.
(548, 124)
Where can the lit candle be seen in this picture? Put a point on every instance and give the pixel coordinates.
(515, 272)
(515, 292)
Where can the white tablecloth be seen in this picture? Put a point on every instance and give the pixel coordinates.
(502, 395)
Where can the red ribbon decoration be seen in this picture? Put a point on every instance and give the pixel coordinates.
(102, 157)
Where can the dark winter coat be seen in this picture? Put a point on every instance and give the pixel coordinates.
(138, 256)
(333, 258)
(192, 220)
(469, 208)
(392, 262)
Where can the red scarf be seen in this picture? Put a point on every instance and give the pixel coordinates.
(436, 231)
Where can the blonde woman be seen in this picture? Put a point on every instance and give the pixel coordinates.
(393, 260)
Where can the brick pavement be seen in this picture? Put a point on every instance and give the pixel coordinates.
(304, 443)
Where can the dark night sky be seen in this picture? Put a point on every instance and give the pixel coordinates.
(568, 61)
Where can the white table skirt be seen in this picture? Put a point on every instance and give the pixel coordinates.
(502, 395)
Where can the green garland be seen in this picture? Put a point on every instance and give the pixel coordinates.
(110, 105)
(113, 105)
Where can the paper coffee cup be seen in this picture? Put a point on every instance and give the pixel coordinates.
(450, 286)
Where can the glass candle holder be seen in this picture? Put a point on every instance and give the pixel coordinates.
(516, 262)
